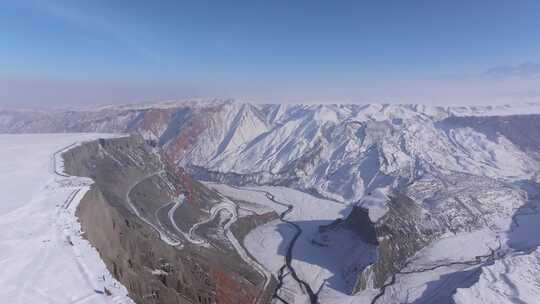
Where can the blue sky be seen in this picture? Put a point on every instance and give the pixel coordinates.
(77, 52)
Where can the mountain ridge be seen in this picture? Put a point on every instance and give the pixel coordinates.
(465, 170)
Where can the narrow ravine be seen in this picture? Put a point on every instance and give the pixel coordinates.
(313, 297)
(478, 260)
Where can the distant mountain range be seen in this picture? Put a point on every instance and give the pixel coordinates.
(339, 151)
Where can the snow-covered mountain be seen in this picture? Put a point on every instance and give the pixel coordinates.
(431, 179)
(339, 151)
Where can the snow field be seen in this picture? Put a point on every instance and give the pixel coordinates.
(44, 258)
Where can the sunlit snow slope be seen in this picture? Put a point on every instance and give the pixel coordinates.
(339, 150)
(43, 258)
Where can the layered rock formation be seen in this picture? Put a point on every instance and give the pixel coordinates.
(122, 217)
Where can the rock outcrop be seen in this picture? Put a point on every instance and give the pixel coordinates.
(400, 234)
(130, 174)
(455, 171)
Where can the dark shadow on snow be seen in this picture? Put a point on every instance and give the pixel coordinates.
(442, 290)
(331, 258)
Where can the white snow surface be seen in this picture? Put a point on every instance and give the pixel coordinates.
(376, 204)
(321, 267)
(344, 151)
(513, 279)
(43, 257)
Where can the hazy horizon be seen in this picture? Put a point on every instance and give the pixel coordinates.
(81, 53)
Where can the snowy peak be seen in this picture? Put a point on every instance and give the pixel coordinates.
(339, 151)
(241, 123)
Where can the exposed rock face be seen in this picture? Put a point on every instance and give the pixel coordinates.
(434, 205)
(231, 178)
(357, 221)
(152, 270)
(399, 234)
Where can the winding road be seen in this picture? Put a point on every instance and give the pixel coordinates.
(162, 235)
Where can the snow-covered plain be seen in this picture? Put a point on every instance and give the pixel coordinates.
(43, 258)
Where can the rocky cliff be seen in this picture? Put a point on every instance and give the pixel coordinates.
(399, 234)
(123, 217)
(452, 170)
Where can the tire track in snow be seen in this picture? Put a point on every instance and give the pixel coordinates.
(60, 231)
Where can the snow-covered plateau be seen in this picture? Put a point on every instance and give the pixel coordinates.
(43, 256)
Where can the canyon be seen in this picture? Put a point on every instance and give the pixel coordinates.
(182, 198)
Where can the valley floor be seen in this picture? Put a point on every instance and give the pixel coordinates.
(43, 257)
(481, 266)
(327, 268)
